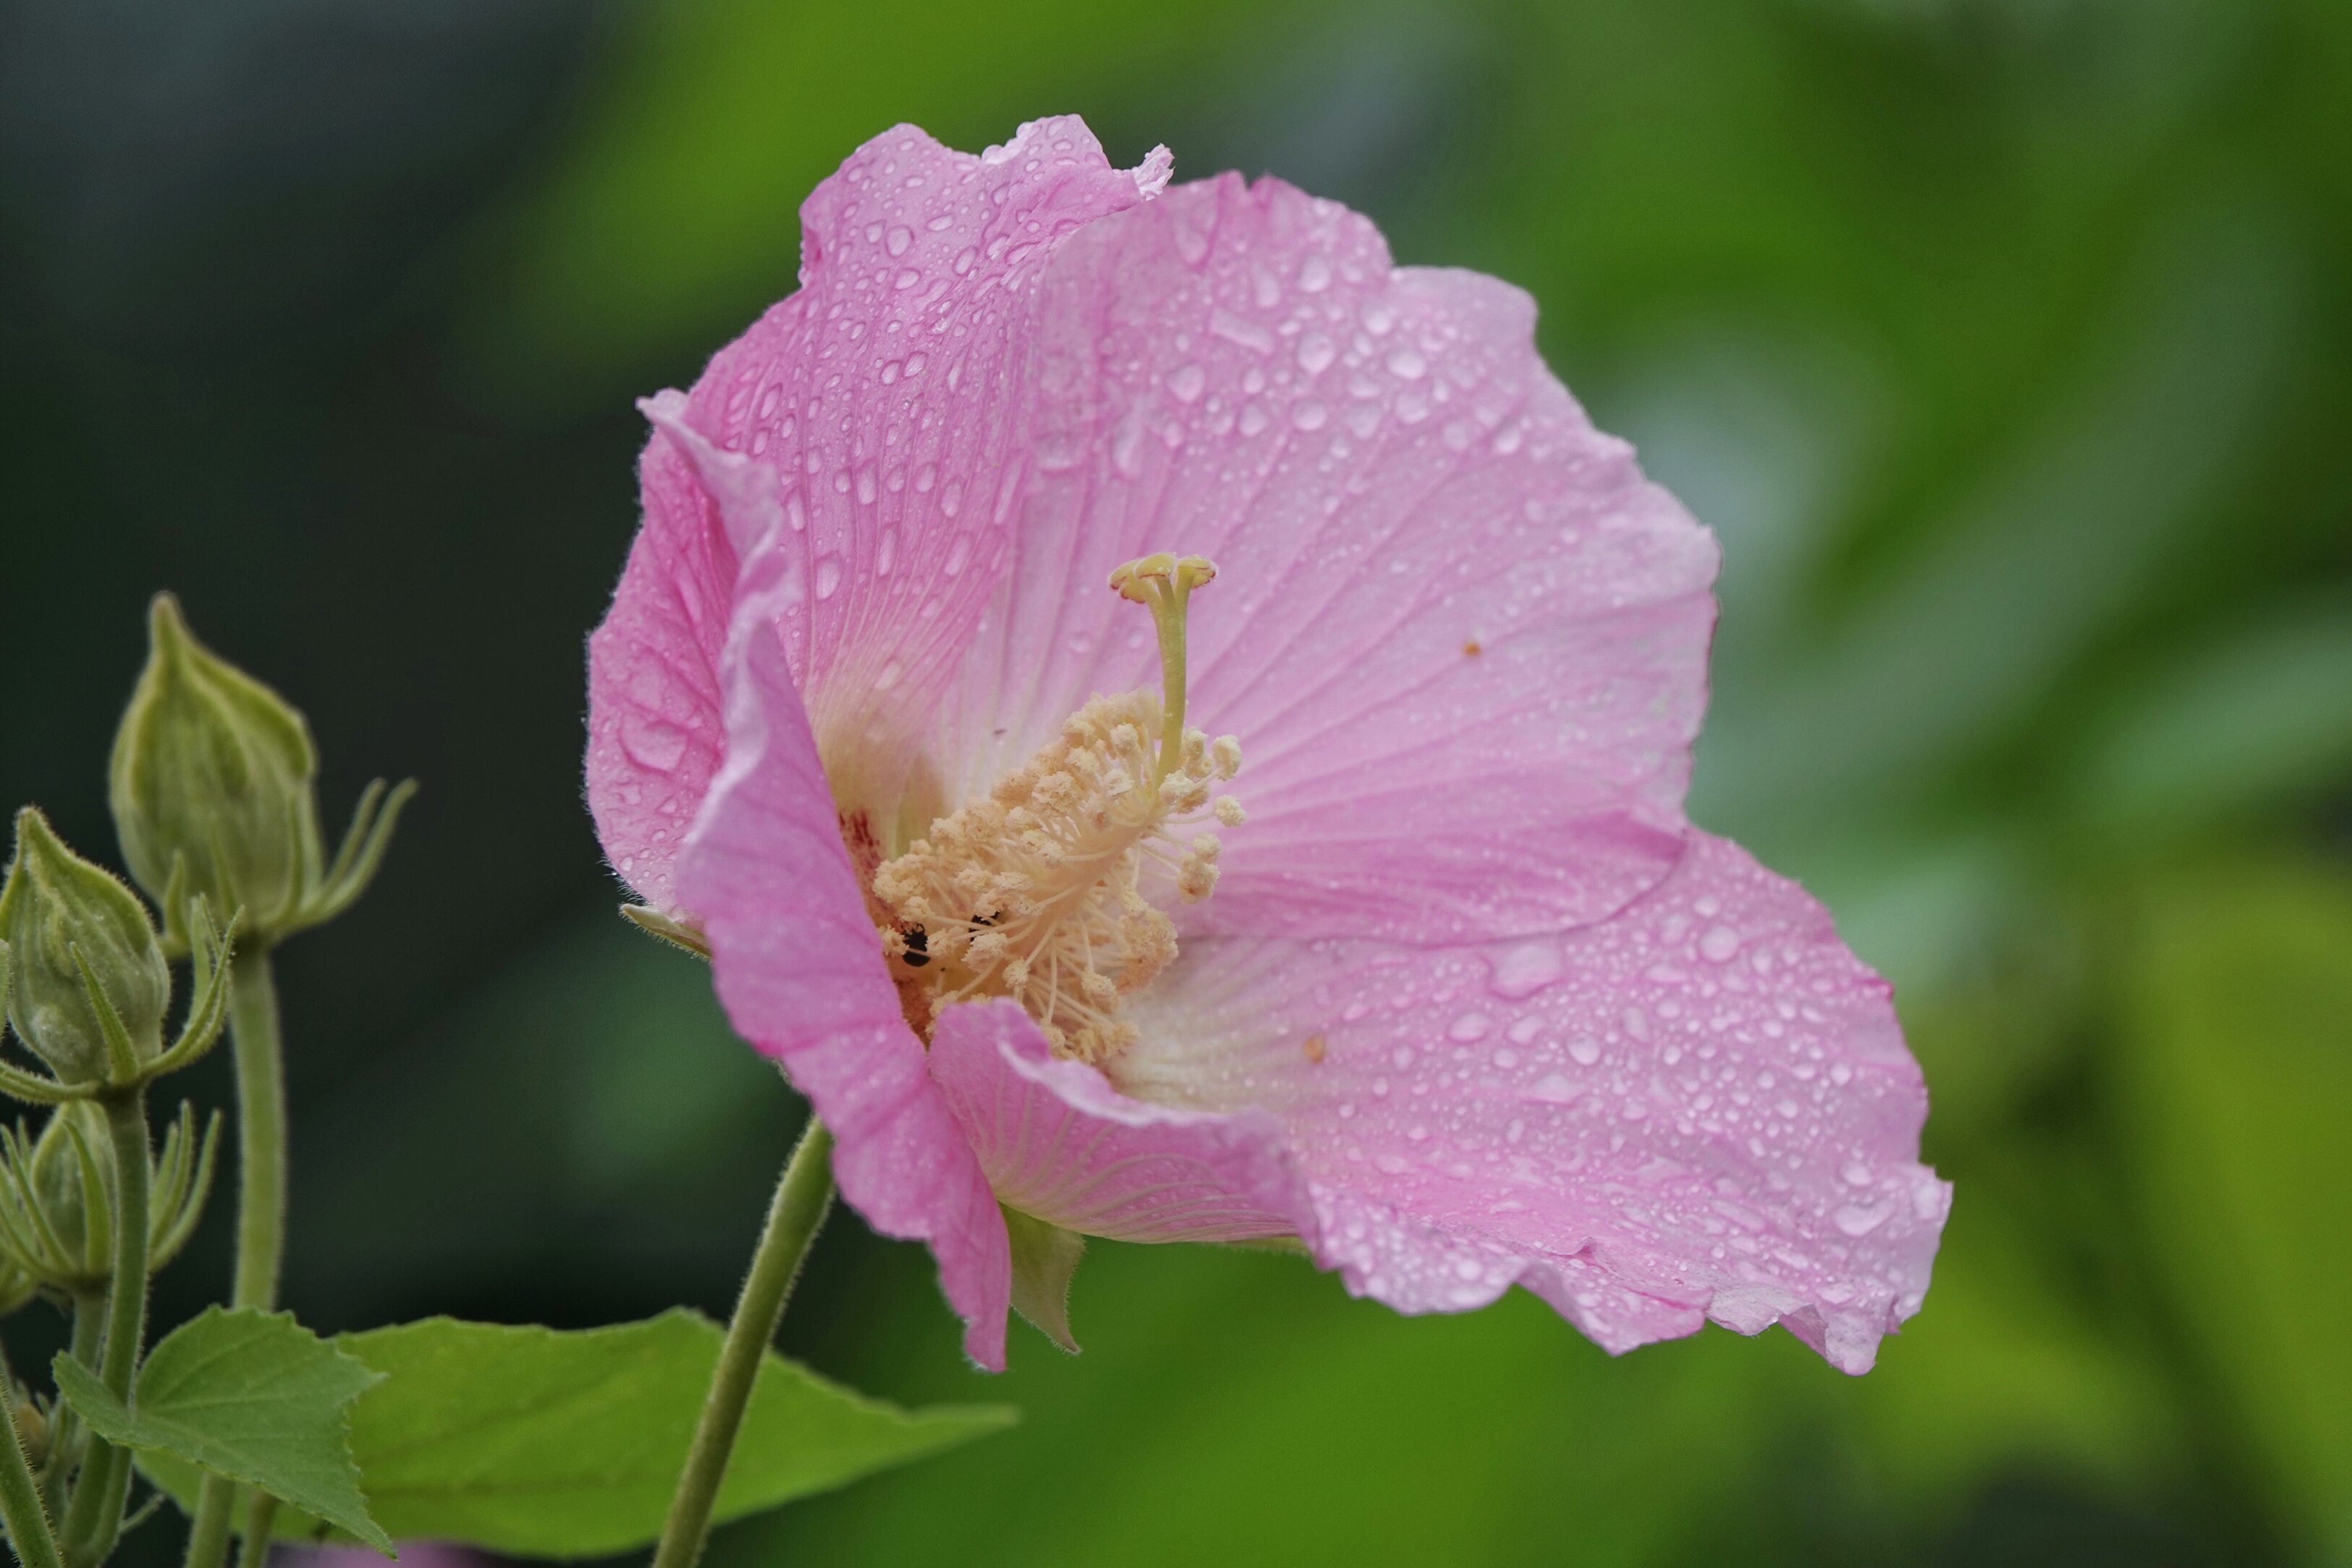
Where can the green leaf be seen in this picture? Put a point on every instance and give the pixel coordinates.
(2239, 1068)
(252, 1396)
(542, 1443)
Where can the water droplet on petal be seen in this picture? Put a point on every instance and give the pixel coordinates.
(1521, 970)
(829, 576)
(1553, 1089)
(1855, 1219)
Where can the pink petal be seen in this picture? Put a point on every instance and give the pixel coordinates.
(654, 732)
(800, 969)
(890, 398)
(1058, 1141)
(1700, 1108)
(1462, 640)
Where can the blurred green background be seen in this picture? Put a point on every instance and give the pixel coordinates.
(2005, 343)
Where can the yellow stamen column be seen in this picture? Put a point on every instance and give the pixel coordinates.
(1162, 583)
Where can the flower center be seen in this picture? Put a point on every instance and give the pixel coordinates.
(1037, 890)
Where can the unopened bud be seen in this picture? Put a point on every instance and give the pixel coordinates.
(75, 1148)
(58, 1196)
(72, 929)
(214, 784)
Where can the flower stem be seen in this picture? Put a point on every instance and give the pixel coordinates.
(209, 1536)
(260, 1128)
(64, 1427)
(94, 1518)
(260, 1194)
(260, 1515)
(20, 1495)
(802, 1196)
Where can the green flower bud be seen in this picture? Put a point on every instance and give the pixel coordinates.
(17, 1287)
(213, 788)
(56, 1198)
(75, 1148)
(71, 928)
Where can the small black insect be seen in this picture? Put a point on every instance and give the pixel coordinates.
(918, 947)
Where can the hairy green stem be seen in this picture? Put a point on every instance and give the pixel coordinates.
(208, 1534)
(94, 1519)
(802, 1196)
(260, 1128)
(64, 1425)
(260, 1515)
(20, 1495)
(260, 1194)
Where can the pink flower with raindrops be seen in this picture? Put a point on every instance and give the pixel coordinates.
(1173, 726)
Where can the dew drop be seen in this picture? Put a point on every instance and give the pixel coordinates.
(1553, 1089)
(829, 576)
(1184, 385)
(1521, 970)
(1855, 1219)
(1235, 329)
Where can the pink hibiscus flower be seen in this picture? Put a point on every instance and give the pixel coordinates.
(1443, 983)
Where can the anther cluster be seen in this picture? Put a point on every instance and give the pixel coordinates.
(1035, 891)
